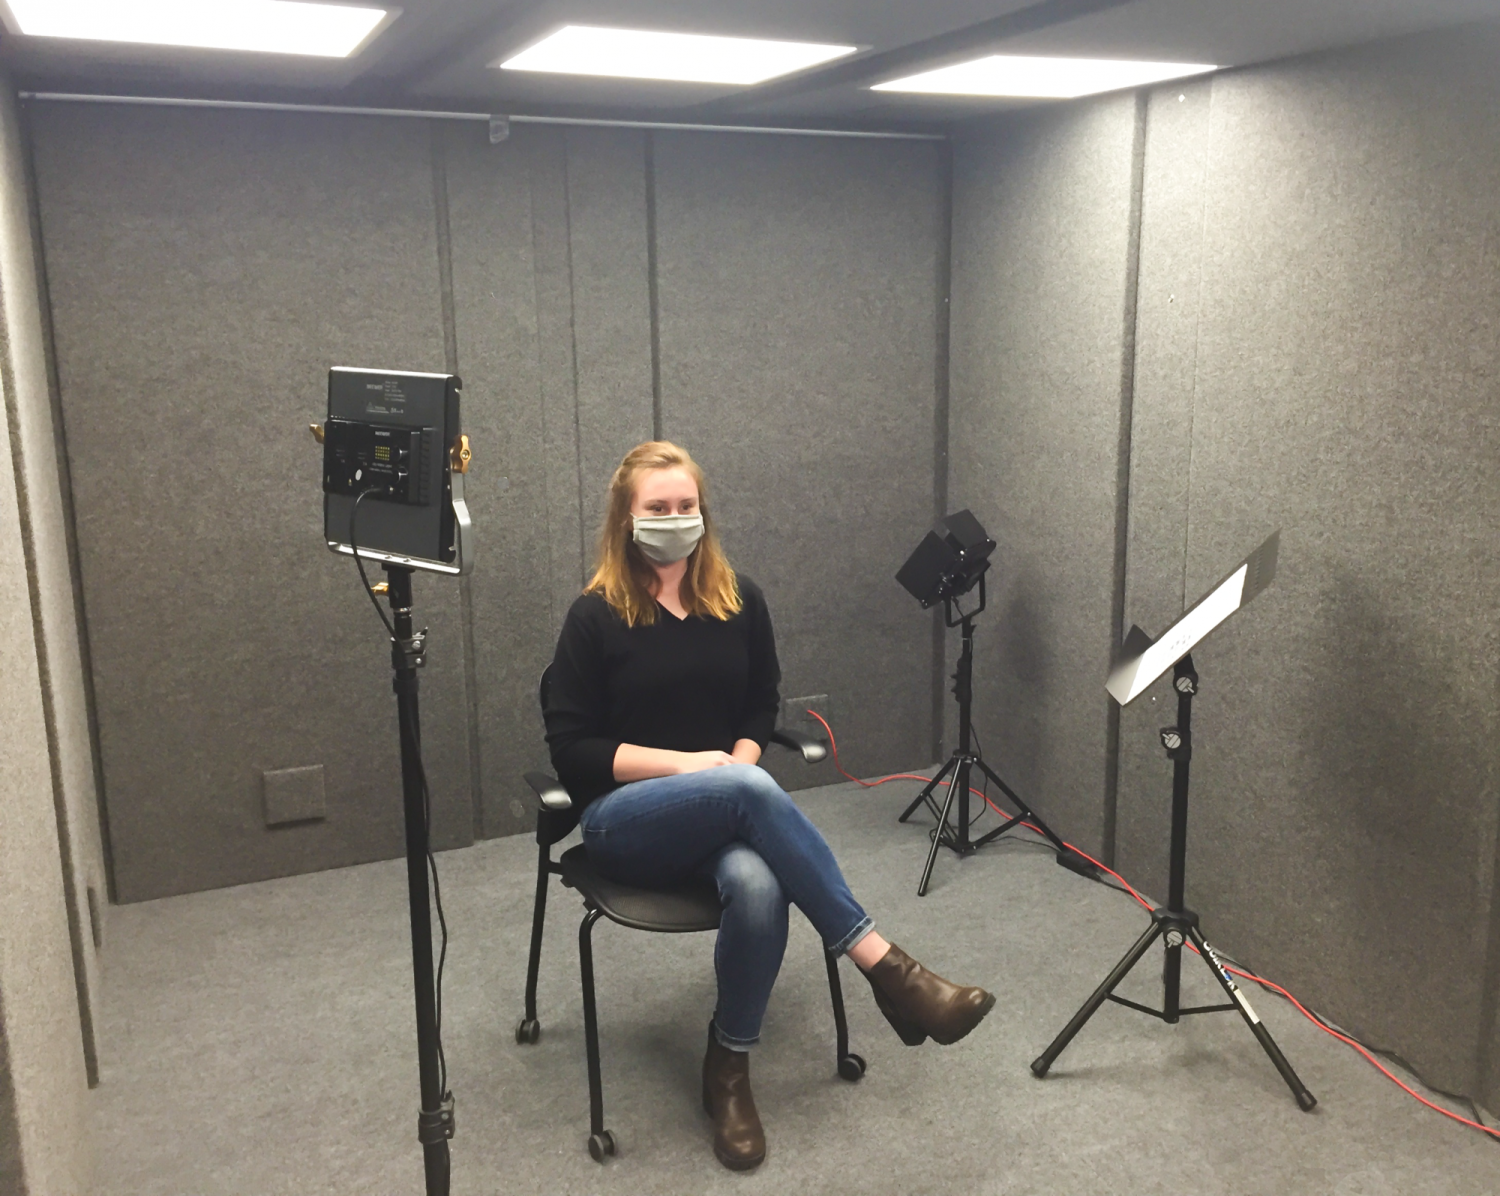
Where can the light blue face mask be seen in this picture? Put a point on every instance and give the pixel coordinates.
(664, 539)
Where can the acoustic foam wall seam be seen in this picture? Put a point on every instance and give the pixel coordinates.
(494, 235)
(1208, 159)
(558, 362)
(73, 884)
(69, 510)
(942, 347)
(653, 296)
(1122, 463)
(76, 932)
(450, 362)
(567, 182)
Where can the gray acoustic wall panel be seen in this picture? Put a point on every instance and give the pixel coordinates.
(42, 496)
(206, 269)
(1315, 349)
(557, 360)
(798, 295)
(554, 343)
(204, 296)
(612, 301)
(514, 485)
(45, 1118)
(1041, 219)
(1345, 823)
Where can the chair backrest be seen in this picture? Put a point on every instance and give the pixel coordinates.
(552, 826)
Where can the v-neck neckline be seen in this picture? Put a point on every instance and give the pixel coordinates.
(675, 619)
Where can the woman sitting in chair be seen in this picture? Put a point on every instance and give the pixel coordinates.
(663, 696)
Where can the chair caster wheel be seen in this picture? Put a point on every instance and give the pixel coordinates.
(528, 1030)
(851, 1067)
(601, 1145)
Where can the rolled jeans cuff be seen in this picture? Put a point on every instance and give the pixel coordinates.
(729, 1043)
(861, 928)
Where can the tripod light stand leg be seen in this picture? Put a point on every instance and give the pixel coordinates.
(1305, 1099)
(1171, 978)
(937, 835)
(1066, 856)
(926, 794)
(1044, 1061)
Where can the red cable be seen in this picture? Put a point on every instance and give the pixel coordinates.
(1129, 888)
(895, 776)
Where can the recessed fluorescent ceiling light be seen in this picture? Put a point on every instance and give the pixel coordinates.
(683, 57)
(274, 26)
(1053, 78)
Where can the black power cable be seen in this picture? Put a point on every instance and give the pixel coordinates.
(979, 751)
(416, 738)
(437, 897)
(985, 806)
(359, 564)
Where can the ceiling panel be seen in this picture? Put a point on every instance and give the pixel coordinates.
(437, 52)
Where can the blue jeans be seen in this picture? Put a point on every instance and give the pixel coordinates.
(735, 825)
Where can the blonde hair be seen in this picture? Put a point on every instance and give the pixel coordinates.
(624, 576)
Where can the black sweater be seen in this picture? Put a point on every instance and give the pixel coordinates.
(687, 685)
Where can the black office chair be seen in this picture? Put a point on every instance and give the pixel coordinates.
(681, 910)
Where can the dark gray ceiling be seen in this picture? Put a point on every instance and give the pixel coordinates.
(436, 53)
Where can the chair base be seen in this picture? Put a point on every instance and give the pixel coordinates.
(685, 910)
(602, 1145)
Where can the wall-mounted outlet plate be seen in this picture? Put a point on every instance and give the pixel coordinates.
(794, 716)
(293, 794)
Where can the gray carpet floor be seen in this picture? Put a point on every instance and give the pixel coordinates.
(259, 1040)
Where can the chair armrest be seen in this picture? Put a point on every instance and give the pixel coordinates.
(550, 795)
(813, 750)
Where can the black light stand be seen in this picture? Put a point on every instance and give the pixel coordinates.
(395, 436)
(964, 760)
(1175, 924)
(435, 1120)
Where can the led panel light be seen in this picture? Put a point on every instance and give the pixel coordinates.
(1046, 78)
(270, 26)
(680, 57)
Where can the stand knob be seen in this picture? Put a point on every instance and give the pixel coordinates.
(1176, 743)
(460, 454)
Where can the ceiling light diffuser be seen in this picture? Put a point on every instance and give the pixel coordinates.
(681, 57)
(1048, 78)
(271, 26)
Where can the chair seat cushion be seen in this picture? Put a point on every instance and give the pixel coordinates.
(671, 911)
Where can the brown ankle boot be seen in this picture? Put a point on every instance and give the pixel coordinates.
(917, 1002)
(739, 1142)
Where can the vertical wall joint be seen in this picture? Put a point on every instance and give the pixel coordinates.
(450, 364)
(941, 373)
(1122, 460)
(651, 286)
